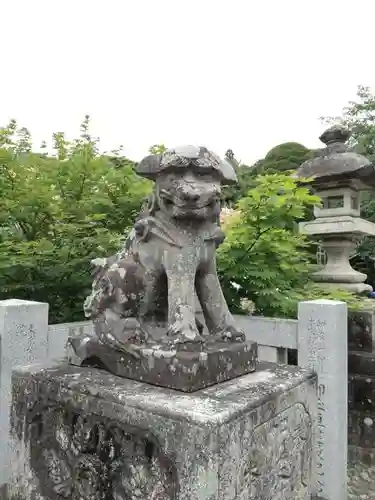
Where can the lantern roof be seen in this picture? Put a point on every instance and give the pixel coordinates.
(337, 162)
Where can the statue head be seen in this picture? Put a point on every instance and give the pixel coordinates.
(188, 181)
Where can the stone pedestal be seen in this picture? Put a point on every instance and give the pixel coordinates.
(183, 370)
(82, 431)
(340, 236)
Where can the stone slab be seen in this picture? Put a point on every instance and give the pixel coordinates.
(341, 224)
(361, 330)
(359, 454)
(4, 492)
(361, 429)
(361, 363)
(357, 288)
(183, 370)
(361, 392)
(246, 439)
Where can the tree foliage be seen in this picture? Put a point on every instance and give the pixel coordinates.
(264, 259)
(157, 149)
(232, 193)
(359, 117)
(281, 158)
(57, 212)
(284, 157)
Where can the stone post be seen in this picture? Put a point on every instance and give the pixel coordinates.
(23, 341)
(322, 347)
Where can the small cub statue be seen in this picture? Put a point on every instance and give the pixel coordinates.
(144, 297)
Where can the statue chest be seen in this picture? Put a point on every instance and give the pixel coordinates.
(188, 256)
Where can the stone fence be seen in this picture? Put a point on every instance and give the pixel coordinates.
(319, 335)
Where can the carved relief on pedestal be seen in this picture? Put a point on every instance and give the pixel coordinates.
(76, 456)
(279, 464)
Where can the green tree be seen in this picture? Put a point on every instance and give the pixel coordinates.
(57, 213)
(264, 259)
(157, 149)
(359, 117)
(281, 158)
(232, 193)
(284, 157)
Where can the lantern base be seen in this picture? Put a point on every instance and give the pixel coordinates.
(358, 288)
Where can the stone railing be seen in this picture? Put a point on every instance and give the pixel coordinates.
(319, 335)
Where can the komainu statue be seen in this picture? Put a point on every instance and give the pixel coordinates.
(143, 300)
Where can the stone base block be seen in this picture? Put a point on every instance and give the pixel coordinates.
(183, 370)
(326, 283)
(4, 492)
(361, 363)
(85, 433)
(366, 456)
(361, 392)
(338, 225)
(361, 429)
(361, 329)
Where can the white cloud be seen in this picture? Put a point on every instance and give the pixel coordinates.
(233, 74)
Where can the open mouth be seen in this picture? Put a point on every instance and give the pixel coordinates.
(189, 206)
(173, 200)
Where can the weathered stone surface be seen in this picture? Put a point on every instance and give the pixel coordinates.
(361, 396)
(361, 392)
(322, 347)
(147, 292)
(183, 370)
(361, 330)
(23, 340)
(336, 162)
(339, 225)
(4, 492)
(361, 474)
(361, 427)
(361, 412)
(245, 439)
(362, 363)
(364, 455)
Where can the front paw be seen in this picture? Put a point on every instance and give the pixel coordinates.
(231, 333)
(184, 333)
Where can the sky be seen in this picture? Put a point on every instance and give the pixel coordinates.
(239, 74)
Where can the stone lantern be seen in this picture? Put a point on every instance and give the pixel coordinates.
(339, 176)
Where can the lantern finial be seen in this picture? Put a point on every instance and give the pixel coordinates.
(335, 134)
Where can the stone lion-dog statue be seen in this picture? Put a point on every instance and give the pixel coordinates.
(146, 293)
